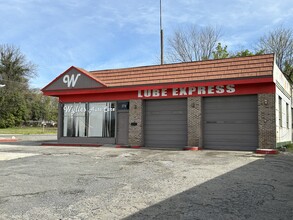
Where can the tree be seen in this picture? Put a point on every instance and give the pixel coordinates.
(288, 70)
(42, 108)
(15, 72)
(14, 68)
(245, 53)
(279, 42)
(192, 44)
(220, 52)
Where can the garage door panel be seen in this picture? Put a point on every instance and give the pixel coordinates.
(216, 134)
(231, 100)
(162, 143)
(167, 107)
(230, 138)
(228, 108)
(224, 146)
(174, 132)
(216, 146)
(166, 137)
(230, 122)
(169, 111)
(166, 123)
(168, 103)
(164, 128)
(229, 111)
(232, 115)
(212, 144)
(248, 127)
(239, 124)
(171, 117)
(211, 106)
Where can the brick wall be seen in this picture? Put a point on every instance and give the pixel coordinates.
(135, 137)
(266, 121)
(194, 121)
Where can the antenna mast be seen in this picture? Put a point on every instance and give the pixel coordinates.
(161, 35)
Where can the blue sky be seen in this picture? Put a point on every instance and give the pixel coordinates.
(106, 34)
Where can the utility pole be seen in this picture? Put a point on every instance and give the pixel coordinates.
(161, 35)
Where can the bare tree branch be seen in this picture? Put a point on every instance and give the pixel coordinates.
(279, 42)
(14, 68)
(192, 44)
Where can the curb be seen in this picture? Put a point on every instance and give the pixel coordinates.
(266, 151)
(136, 147)
(127, 146)
(5, 140)
(122, 146)
(192, 148)
(71, 145)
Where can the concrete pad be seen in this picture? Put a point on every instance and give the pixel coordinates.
(12, 156)
(110, 183)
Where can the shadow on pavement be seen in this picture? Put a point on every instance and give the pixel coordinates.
(260, 190)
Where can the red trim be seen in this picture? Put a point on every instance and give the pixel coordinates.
(240, 89)
(156, 86)
(8, 140)
(192, 148)
(267, 151)
(136, 147)
(71, 145)
(122, 146)
(65, 72)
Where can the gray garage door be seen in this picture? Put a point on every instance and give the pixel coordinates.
(166, 123)
(230, 123)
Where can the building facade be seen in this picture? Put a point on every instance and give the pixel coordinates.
(239, 103)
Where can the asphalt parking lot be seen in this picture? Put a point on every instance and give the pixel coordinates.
(38, 182)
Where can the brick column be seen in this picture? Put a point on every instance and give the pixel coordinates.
(194, 121)
(266, 121)
(135, 137)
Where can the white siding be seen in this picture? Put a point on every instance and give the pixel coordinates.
(283, 90)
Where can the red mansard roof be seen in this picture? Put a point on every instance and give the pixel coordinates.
(231, 68)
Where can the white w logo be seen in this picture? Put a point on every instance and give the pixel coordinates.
(71, 81)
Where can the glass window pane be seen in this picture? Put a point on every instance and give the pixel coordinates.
(101, 119)
(123, 105)
(280, 111)
(74, 122)
(96, 117)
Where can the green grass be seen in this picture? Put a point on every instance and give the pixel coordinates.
(289, 147)
(28, 130)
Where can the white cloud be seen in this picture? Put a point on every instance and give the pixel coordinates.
(103, 34)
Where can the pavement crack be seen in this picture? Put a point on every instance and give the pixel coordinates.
(98, 177)
(26, 194)
(72, 192)
(107, 177)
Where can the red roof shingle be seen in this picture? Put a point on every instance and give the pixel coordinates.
(252, 66)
